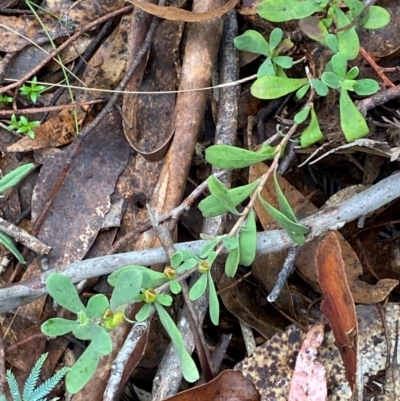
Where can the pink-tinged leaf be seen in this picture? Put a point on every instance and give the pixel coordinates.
(309, 376)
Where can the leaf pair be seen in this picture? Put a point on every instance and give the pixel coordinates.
(285, 217)
(274, 64)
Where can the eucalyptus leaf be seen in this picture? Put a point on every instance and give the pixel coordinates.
(276, 87)
(60, 287)
(128, 287)
(232, 262)
(189, 369)
(82, 370)
(229, 157)
(15, 176)
(58, 326)
(312, 133)
(213, 301)
(211, 207)
(248, 241)
(144, 312)
(198, 288)
(96, 306)
(351, 120)
(253, 42)
(8, 243)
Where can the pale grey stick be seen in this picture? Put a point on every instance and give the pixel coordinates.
(169, 374)
(331, 218)
(23, 237)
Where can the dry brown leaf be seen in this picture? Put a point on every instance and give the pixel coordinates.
(228, 386)
(338, 305)
(177, 14)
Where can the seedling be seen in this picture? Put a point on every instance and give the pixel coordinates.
(23, 126)
(274, 64)
(5, 99)
(31, 392)
(32, 91)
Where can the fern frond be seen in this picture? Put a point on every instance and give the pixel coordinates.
(45, 388)
(13, 385)
(33, 378)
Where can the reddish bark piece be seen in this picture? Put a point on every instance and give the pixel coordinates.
(338, 305)
(228, 386)
(309, 376)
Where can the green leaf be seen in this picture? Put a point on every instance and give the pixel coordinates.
(211, 207)
(332, 42)
(229, 157)
(351, 120)
(339, 65)
(275, 38)
(331, 79)
(207, 248)
(366, 87)
(378, 18)
(144, 312)
(83, 370)
(96, 306)
(164, 299)
(8, 242)
(83, 332)
(276, 87)
(101, 340)
(23, 120)
(198, 288)
(290, 226)
(253, 42)
(175, 287)
(248, 241)
(302, 115)
(283, 61)
(229, 242)
(267, 68)
(312, 133)
(348, 41)
(219, 191)
(280, 11)
(15, 176)
(60, 287)
(189, 369)
(156, 278)
(176, 259)
(353, 73)
(127, 288)
(319, 86)
(188, 264)
(348, 85)
(58, 326)
(284, 205)
(213, 300)
(232, 262)
(302, 91)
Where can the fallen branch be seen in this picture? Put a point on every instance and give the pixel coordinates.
(330, 218)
